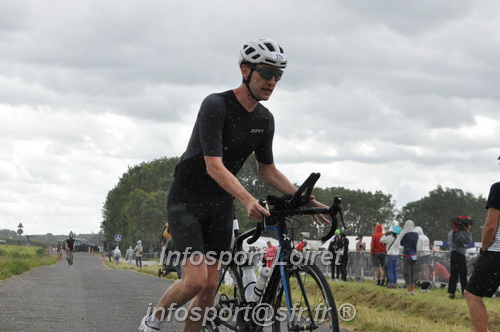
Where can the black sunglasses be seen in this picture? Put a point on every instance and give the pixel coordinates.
(268, 73)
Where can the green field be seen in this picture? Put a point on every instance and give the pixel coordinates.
(15, 260)
(393, 310)
(381, 309)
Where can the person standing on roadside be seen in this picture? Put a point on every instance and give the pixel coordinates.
(360, 244)
(392, 257)
(117, 254)
(377, 251)
(301, 245)
(333, 247)
(358, 257)
(459, 237)
(344, 255)
(485, 278)
(408, 239)
(270, 254)
(423, 256)
(230, 126)
(129, 255)
(138, 251)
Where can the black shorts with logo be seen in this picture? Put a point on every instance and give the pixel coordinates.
(485, 278)
(198, 223)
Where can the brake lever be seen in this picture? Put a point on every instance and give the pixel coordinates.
(261, 226)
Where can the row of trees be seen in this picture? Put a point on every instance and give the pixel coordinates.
(135, 207)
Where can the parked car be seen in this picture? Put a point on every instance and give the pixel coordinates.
(82, 244)
(3, 242)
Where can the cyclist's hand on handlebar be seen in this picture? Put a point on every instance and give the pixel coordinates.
(320, 219)
(256, 211)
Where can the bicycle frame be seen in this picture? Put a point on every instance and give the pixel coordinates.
(280, 271)
(283, 208)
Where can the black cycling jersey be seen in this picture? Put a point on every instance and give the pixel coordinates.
(224, 128)
(70, 243)
(200, 212)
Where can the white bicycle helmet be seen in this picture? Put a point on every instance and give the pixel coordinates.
(265, 51)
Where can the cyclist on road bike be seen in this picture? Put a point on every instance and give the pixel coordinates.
(70, 245)
(230, 126)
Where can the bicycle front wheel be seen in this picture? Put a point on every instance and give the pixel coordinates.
(312, 304)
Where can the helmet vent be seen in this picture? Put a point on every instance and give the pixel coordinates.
(249, 50)
(270, 47)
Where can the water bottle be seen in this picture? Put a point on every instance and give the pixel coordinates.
(249, 280)
(261, 283)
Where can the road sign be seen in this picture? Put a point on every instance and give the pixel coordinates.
(19, 231)
(118, 237)
(20, 225)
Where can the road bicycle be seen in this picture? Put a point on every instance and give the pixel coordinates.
(296, 296)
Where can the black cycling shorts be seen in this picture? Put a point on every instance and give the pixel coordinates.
(199, 224)
(485, 278)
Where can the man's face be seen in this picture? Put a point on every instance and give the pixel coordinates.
(263, 80)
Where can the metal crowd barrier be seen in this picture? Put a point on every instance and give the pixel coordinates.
(432, 266)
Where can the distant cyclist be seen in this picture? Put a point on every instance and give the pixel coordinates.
(70, 245)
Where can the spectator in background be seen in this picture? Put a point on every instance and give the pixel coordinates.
(270, 254)
(358, 257)
(408, 239)
(301, 245)
(377, 252)
(392, 257)
(110, 254)
(333, 247)
(343, 251)
(485, 278)
(360, 244)
(117, 254)
(138, 251)
(129, 255)
(423, 255)
(459, 237)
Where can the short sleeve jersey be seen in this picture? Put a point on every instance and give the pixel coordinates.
(224, 128)
(494, 202)
(70, 243)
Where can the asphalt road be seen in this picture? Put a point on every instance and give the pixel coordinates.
(85, 297)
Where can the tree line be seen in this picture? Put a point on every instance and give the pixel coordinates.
(135, 207)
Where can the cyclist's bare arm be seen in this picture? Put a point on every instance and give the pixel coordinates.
(225, 179)
(276, 179)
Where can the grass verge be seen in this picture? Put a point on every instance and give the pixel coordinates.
(15, 260)
(382, 309)
(147, 269)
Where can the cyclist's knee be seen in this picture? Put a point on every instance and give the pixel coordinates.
(194, 278)
(195, 284)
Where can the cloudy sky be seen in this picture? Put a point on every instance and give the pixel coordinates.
(397, 96)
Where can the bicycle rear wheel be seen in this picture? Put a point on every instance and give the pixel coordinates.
(313, 304)
(229, 296)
